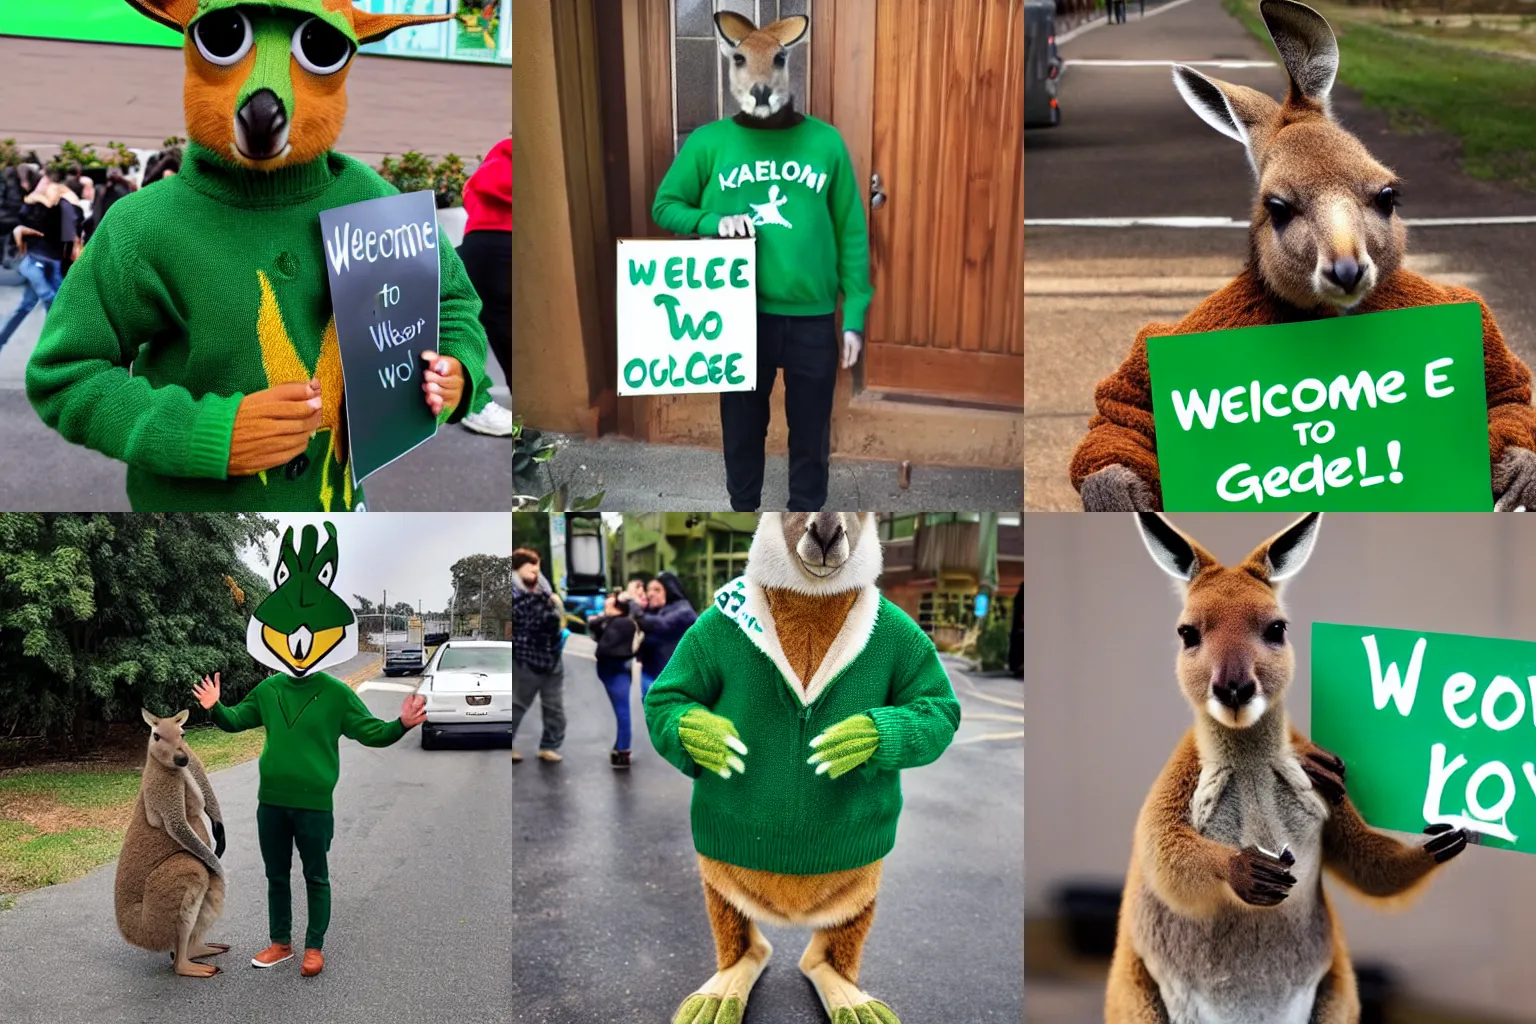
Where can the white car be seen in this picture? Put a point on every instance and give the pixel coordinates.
(468, 687)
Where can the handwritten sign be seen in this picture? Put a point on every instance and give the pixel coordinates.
(382, 258)
(687, 313)
(1432, 727)
(1376, 412)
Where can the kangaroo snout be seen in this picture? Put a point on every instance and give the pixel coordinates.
(1345, 272)
(825, 531)
(180, 760)
(261, 126)
(1234, 693)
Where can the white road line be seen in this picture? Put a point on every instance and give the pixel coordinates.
(1169, 63)
(1088, 26)
(379, 684)
(1228, 222)
(989, 736)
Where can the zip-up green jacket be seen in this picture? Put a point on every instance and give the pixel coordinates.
(305, 720)
(779, 815)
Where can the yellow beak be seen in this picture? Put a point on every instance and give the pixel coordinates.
(301, 648)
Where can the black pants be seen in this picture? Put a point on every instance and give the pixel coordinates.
(487, 257)
(807, 349)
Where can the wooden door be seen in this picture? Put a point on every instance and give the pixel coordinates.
(930, 96)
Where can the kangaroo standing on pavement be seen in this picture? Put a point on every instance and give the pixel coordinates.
(1326, 240)
(1224, 919)
(170, 885)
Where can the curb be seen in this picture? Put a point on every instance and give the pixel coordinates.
(363, 674)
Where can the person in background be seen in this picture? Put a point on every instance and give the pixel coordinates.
(668, 614)
(618, 638)
(116, 187)
(487, 255)
(40, 237)
(538, 622)
(162, 165)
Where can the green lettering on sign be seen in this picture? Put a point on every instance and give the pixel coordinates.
(1432, 727)
(1375, 412)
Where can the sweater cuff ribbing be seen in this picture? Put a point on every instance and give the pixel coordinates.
(213, 427)
(894, 731)
(709, 225)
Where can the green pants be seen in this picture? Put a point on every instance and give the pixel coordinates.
(279, 830)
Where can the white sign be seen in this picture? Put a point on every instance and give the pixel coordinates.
(687, 312)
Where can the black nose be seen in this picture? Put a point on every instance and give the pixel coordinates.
(825, 530)
(1346, 273)
(1234, 693)
(761, 93)
(181, 760)
(263, 119)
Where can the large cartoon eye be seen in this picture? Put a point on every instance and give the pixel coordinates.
(327, 573)
(282, 573)
(223, 37)
(319, 48)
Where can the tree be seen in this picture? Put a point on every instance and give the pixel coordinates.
(363, 606)
(495, 572)
(103, 614)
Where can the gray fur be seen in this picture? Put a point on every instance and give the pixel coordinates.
(1245, 965)
(1116, 489)
(167, 796)
(1514, 481)
(1306, 45)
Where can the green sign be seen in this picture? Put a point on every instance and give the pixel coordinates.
(1432, 727)
(1378, 412)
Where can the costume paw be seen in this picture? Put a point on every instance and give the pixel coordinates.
(700, 1008)
(712, 741)
(845, 746)
(1514, 481)
(871, 1012)
(1116, 489)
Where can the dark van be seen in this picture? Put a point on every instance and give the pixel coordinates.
(1042, 65)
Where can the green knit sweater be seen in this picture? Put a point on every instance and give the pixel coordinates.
(779, 815)
(196, 291)
(799, 185)
(305, 718)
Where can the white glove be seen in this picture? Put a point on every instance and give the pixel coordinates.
(853, 341)
(737, 225)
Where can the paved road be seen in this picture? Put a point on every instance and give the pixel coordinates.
(1129, 147)
(419, 920)
(457, 471)
(609, 921)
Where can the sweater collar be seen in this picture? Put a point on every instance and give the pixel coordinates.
(205, 171)
(744, 603)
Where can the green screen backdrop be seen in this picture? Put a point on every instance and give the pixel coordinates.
(479, 41)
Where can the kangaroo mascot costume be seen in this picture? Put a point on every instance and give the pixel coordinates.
(794, 703)
(194, 338)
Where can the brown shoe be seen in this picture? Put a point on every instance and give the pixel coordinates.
(314, 963)
(516, 757)
(550, 756)
(273, 955)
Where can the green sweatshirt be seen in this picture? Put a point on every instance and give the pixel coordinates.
(305, 718)
(196, 291)
(779, 815)
(799, 185)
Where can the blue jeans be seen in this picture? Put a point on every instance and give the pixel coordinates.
(43, 277)
(615, 677)
(646, 682)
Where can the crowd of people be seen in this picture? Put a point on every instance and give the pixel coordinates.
(635, 636)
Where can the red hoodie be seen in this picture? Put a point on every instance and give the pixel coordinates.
(488, 195)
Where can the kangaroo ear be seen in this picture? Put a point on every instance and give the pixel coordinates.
(1174, 553)
(176, 14)
(732, 28)
(1283, 555)
(180, 717)
(149, 719)
(371, 28)
(789, 31)
(1307, 49)
(1236, 111)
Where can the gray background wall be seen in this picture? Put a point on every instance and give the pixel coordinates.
(1104, 710)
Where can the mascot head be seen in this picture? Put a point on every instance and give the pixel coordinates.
(303, 626)
(266, 79)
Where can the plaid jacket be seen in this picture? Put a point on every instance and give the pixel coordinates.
(535, 631)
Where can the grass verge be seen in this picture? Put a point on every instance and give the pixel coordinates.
(1423, 81)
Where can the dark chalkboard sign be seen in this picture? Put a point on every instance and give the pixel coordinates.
(382, 259)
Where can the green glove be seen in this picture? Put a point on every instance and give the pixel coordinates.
(845, 746)
(709, 740)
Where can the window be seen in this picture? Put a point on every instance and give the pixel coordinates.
(701, 88)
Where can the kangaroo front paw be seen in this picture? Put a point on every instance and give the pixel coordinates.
(701, 1008)
(1326, 772)
(1116, 489)
(1261, 879)
(1446, 842)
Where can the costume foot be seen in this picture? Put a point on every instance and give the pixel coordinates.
(314, 963)
(209, 949)
(844, 1001)
(702, 1009)
(723, 998)
(192, 970)
(871, 1012)
(277, 953)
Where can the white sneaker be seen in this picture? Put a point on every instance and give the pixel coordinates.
(494, 419)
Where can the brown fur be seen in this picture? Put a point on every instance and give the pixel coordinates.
(807, 624)
(1122, 431)
(843, 902)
